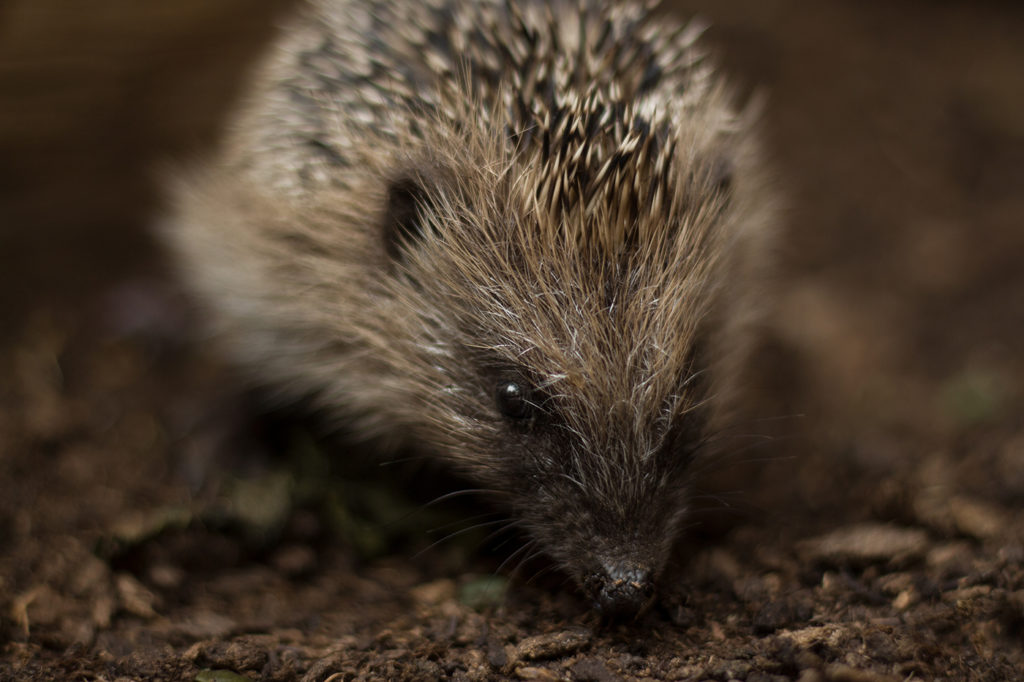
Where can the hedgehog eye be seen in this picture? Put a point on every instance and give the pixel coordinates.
(513, 401)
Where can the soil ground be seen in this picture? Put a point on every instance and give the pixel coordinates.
(876, 534)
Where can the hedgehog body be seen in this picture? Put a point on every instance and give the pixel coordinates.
(522, 236)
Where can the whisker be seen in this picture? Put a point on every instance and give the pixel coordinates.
(525, 547)
(461, 531)
(547, 569)
(459, 522)
(457, 493)
(525, 560)
(419, 509)
(509, 524)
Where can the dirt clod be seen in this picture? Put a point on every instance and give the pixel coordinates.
(554, 645)
(867, 543)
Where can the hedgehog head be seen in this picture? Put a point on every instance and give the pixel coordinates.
(556, 297)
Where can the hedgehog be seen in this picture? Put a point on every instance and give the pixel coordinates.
(526, 238)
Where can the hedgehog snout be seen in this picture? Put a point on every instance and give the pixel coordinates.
(620, 590)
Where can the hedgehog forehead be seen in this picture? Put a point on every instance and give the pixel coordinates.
(580, 329)
(600, 274)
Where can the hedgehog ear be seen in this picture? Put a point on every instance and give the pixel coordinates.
(405, 203)
(721, 175)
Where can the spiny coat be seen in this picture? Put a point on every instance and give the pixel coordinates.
(522, 236)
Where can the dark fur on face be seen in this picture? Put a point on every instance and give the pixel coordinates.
(520, 235)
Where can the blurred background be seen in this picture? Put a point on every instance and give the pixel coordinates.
(91, 100)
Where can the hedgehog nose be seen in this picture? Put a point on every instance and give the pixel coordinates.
(621, 591)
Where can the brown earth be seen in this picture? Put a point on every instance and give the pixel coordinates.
(877, 535)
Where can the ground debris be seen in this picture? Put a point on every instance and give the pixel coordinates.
(554, 645)
(866, 543)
